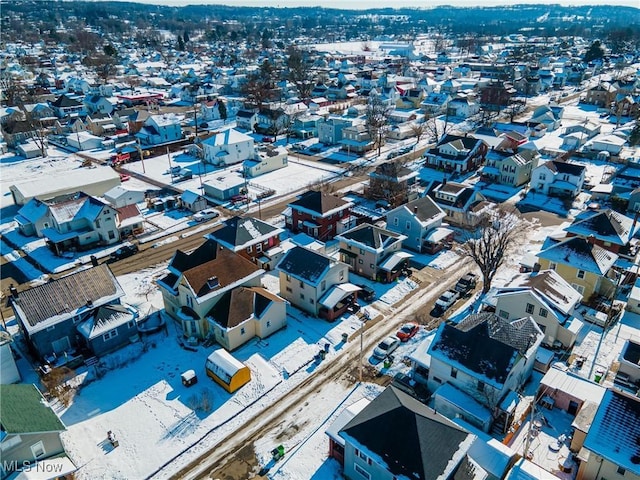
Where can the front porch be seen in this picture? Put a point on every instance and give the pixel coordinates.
(394, 266)
(338, 300)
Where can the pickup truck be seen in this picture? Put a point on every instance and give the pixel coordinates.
(466, 284)
(445, 301)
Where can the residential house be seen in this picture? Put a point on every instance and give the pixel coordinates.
(320, 215)
(421, 222)
(197, 281)
(330, 131)
(483, 359)
(306, 126)
(608, 229)
(306, 278)
(18, 132)
(463, 205)
(81, 141)
(462, 107)
(602, 95)
(610, 448)
(248, 237)
(392, 184)
(99, 104)
(457, 154)
(192, 201)
(435, 103)
(76, 221)
(160, 129)
(357, 139)
(549, 116)
(246, 120)
(8, 369)
(558, 178)
(607, 144)
(65, 106)
(396, 436)
(54, 316)
(266, 159)
(411, 98)
(628, 374)
(101, 125)
(225, 186)
(244, 313)
(373, 252)
(581, 263)
(227, 147)
(547, 298)
(121, 197)
(513, 170)
(30, 432)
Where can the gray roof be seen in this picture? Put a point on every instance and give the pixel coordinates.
(244, 231)
(62, 298)
(372, 236)
(411, 438)
(305, 264)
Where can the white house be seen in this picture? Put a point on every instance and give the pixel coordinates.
(159, 129)
(227, 147)
(421, 222)
(557, 178)
(267, 159)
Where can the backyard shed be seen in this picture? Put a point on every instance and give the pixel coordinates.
(227, 371)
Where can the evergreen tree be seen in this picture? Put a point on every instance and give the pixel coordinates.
(595, 51)
(180, 43)
(222, 110)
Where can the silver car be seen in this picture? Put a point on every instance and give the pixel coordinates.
(385, 347)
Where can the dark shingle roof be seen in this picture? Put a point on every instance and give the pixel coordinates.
(64, 101)
(424, 208)
(632, 352)
(319, 202)
(485, 343)
(240, 231)
(372, 236)
(182, 261)
(22, 410)
(305, 264)
(237, 305)
(66, 294)
(411, 438)
(565, 167)
(606, 225)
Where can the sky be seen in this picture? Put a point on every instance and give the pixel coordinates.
(365, 4)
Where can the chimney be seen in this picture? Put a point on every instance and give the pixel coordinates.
(89, 303)
(14, 291)
(415, 209)
(591, 239)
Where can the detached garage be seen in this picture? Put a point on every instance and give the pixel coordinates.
(228, 372)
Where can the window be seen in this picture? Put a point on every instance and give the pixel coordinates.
(408, 225)
(111, 235)
(361, 251)
(529, 308)
(363, 456)
(553, 265)
(288, 277)
(360, 261)
(242, 331)
(480, 386)
(395, 221)
(302, 296)
(249, 249)
(311, 301)
(454, 373)
(131, 324)
(37, 449)
(620, 471)
(361, 471)
(109, 335)
(268, 323)
(371, 265)
(437, 380)
(289, 290)
(543, 312)
(580, 274)
(258, 247)
(578, 288)
(504, 314)
(98, 223)
(341, 275)
(542, 176)
(302, 285)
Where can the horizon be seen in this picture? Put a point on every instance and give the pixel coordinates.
(375, 4)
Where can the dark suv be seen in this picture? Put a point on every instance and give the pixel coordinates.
(367, 293)
(126, 250)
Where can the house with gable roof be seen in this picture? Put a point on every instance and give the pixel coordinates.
(373, 252)
(608, 229)
(421, 222)
(76, 221)
(196, 282)
(396, 436)
(509, 169)
(30, 432)
(393, 183)
(611, 448)
(65, 106)
(160, 129)
(227, 147)
(244, 313)
(308, 277)
(319, 215)
(457, 154)
(478, 364)
(248, 237)
(547, 298)
(581, 263)
(558, 178)
(463, 205)
(55, 316)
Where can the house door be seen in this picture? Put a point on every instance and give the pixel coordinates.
(61, 345)
(573, 408)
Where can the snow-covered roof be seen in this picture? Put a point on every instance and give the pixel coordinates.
(567, 382)
(345, 417)
(229, 136)
(224, 361)
(580, 254)
(106, 318)
(337, 293)
(606, 225)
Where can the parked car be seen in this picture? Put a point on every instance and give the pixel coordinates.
(124, 177)
(367, 293)
(385, 348)
(239, 199)
(173, 170)
(446, 300)
(268, 139)
(316, 148)
(125, 250)
(405, 383)
(407, 331)
(204, 215)
(466, 284)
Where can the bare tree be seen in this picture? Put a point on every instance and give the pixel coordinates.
(377, 120)
(434, 128)
(299, 73)
(418, 130)
(489, 245)
(57, 384)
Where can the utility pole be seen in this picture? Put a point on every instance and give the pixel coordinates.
(360, 355)
(140, 153)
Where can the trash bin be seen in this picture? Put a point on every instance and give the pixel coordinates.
(278, 452)
(387, 363)
(598, 375)
(326, 347)
(322, 354)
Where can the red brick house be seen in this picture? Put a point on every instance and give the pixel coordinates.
(320, 215)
